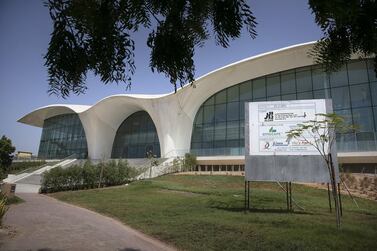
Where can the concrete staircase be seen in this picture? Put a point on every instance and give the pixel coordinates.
(30, 182)
(163, 168)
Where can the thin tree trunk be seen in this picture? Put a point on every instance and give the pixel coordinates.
(100, 175)
(334, 191)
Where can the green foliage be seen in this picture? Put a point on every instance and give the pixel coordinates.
(6, 153)
(349, 26)
(20, 166)
(189, 162)
(96, 36)
(207, 213)
(87, 176)
(3, 207)
(320, 133)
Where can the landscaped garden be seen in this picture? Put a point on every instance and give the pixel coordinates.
(207, 213)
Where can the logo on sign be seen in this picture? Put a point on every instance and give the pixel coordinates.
(269, 116)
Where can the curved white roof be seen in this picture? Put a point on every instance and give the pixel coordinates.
(205, 85)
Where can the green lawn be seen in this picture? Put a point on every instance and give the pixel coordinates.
(206, 213)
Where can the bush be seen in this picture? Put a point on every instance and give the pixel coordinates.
(90, 175)
(3, 207)
(19, 166)
(87, 176)
(189, 162)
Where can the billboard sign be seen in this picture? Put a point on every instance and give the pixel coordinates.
(270, 155)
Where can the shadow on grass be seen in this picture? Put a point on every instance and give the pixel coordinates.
(231, 208)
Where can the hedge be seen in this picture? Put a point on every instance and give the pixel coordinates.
(87, 176)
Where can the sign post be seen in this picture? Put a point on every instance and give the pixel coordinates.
(270, 155)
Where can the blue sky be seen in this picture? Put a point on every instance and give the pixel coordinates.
(25, 28)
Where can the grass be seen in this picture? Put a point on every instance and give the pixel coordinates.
(14, 200)
(206, 213)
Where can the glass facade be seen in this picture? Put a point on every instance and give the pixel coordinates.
(218, 127)
(62, 136)
(135, 137)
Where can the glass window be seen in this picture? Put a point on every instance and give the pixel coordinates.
(346, 114)
(288, 97)
(340, 98)
(363, 118)
(319, 94)
(233, 94)
(375, 117)
(346, 142)
(288, 83)
(365, 141)
(220, 131)
(357, 72)
(220, 113)
(305, 95)
(259, 88)
(245, 91)
(233, 130)
(196, 136)
(199, 116)
(225, 134)
(242, 110)
(208, 132)
(220, 97)
(209, 114)
(371, 72)
(373, 89)
(137, 135)
(233, 112)
(274, 98)
(339, 78)
(273, 85)
(58, 137)
(210, 101)
(304, 81)
(320, 79)
(360, 95)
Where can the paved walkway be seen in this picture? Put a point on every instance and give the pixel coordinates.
(43, 223)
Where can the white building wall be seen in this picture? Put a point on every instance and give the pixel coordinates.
(173, 114)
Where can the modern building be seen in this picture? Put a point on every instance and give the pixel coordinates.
(207, 118)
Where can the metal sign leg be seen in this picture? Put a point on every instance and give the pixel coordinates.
(245, 196)
(340, 201)
(248, 195)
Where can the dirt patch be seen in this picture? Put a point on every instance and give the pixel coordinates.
(359, 184)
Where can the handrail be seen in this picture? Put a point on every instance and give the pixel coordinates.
(47, 164)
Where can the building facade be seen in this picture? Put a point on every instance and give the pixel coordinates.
(207, 118)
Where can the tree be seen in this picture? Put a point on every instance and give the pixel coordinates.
(189, 162)
(6, 152)
(349, 26)
(153, 161)
(320, 133)
(96, 35)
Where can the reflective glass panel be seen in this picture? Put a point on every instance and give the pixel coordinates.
(137, 135)
(63, 136)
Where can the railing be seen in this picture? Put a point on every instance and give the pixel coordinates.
(34, 168)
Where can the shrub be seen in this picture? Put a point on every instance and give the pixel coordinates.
(87, 176)
(189, 162)
(3, 207)
(90, 174)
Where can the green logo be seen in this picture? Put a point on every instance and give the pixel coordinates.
(272, 130)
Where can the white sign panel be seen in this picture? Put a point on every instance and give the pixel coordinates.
(270, 155)
(270, 121)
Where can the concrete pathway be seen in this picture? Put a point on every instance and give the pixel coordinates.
(43, 223)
